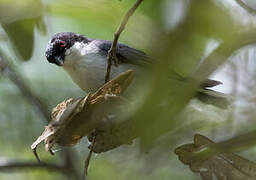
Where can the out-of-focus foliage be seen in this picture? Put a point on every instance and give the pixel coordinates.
(191, 37)
(18, 20)
(176, 33)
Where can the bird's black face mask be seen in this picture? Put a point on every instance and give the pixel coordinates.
(55, 52)
(57, 46)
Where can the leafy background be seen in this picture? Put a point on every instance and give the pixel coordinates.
(165, 29)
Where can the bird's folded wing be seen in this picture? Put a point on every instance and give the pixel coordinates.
(124, 53)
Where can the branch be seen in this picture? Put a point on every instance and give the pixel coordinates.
(87, 161)
(14, 165)
(112, 51)
(221, 54)
(246, 7)
(6, 69)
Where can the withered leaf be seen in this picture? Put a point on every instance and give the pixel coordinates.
(74, 119)
(222, 165)
(113, 134)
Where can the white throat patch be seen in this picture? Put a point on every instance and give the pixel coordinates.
(87, 66)
(80, 50)
(84, 64)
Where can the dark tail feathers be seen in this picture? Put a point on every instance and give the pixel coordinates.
(209, 96)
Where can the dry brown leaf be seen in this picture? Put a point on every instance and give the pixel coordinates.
(74, 119)
(112, 135)
(221, 165)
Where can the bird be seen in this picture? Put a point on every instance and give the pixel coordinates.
(85, 60)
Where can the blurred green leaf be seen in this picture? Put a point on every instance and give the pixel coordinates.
(19, 20)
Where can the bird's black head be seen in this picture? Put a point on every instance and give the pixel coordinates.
(60, 42)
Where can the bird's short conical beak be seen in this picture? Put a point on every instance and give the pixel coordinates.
(59, 61)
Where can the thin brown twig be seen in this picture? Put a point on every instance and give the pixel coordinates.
(36, 155)
(112, 51)
(7, 165)
(246, 7)
(87, 161)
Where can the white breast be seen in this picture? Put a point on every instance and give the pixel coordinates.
(87, 67)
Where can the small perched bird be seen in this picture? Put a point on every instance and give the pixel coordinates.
(85, 60)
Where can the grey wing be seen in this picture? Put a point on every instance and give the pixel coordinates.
(124, 53)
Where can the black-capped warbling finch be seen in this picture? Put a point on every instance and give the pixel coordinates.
(85, 60)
